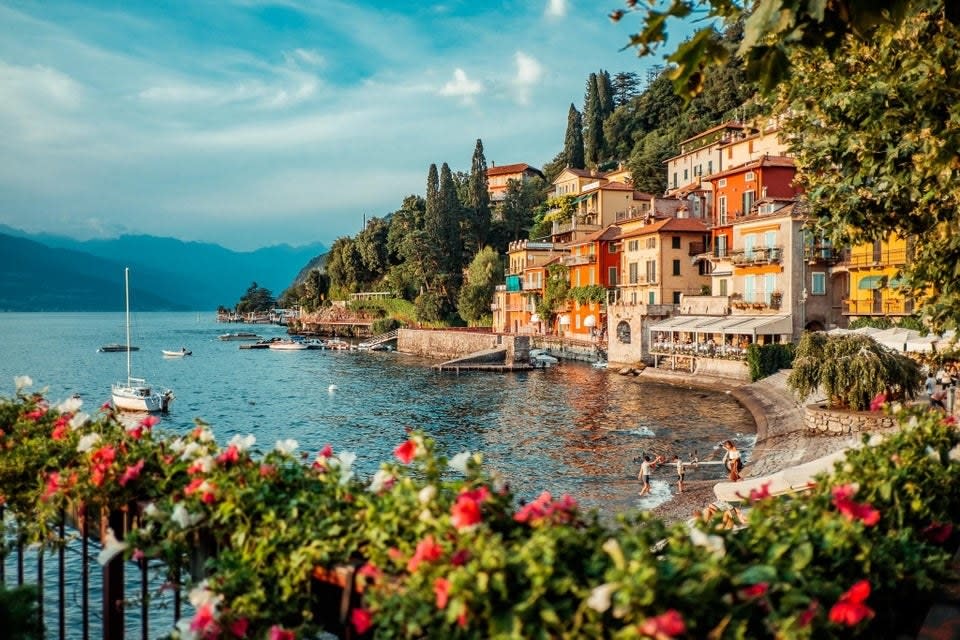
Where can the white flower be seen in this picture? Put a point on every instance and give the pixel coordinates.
(459, 462)
(714, 544)
(954, 454)
(191, 450)
(86, 442)
(287, 447)
(427, 494)
(22, 382)
(184, 630)
(78, 420)
(205, 464)
(151, 511)
(498, 482)
(201, 595)
(70, 405)
(184, 518)
(242, 443)
(177, 445)
(344, 461)
(205, 435)
(111, 547)
(612, 547)
(599, 599)
(380, 480)
(425, 516)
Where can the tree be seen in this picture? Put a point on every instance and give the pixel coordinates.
(256, 299)
(373, 250)
(626, 85)
(851, 370)
(483, 275)
(573, 141)
(517, 209)
(478, 201)
(605, 94)
(874, 130)
(555, 290)
(344, 266)
(593, 142)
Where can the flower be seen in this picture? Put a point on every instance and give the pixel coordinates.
(667, 625)
(111, 547)
(599, 599)
(757, 590)
(78, 420)
(805, 618)
(279, 633)
(22, 382)
(714, 544)
(132, 472)
(362, 620)
(843, 501)
(878, 402)
(427, 494)
(382, 479)
(183, 517)
(70, 405)
(760, 494)
(938, 532)
(239, 627)
(465, 512)
(230, 455)
(544, 508)
(460, 558)
(205, 621)
(86, 442)
(850, 609)
(60, 428)
(326, 452)
(406, 452)
(441, 589)
(53, 485)
(459, 462)
(427, 551)
(344, 461)
(286, 446)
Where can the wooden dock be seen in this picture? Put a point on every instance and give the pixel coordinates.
(484, 366)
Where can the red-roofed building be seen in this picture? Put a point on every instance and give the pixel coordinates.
(498, 178)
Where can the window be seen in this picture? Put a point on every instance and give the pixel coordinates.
(709, 166)
(633, 273)
(770, 239)
(723, 287)
(674, 179)
(749, 243)
(676, 297)
(652, 297)
(722, 209)
(651, 243)
(675, 242)
(721, 246)
(633, 245)
(749, 288)
(676, 267)
(818, 283)
(651, 270)
(722, 182)
(623, 331)
(750, 177)
(685, 178)
(612, 247)
(593, 276)
(578, 278)
(748, 198)
(612, 275)
(769, 286)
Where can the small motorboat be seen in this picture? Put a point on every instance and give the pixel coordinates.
(337, 344)
(289, 345)
(541, 359)
(177, 354)
(114, 348)
(239, 335)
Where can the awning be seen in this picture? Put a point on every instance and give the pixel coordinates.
(893, 283)
(870, 282)
(580, 198)
(727, 325)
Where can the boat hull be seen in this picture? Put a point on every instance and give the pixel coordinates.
(139, 398)
(289, 346)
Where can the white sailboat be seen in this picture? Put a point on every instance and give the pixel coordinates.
(135, 394)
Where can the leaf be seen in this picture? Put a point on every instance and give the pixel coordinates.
(802, 555)
(756, 574)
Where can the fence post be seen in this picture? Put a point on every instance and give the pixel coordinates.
(113, 576)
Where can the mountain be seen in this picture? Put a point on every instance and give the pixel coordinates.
(51, 272)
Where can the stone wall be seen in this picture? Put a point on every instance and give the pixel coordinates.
(819, 420)
(444, 344)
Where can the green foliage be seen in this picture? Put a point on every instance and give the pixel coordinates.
(555, 290)
(256, 299)
(444, 549)
(587, 294)
(476, 295)
(477, 203)
(851, 370)
(428, 307)
(19, 613)
(383, 325)
(767, 359)
(573, 152)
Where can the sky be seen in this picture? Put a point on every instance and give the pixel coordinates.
(250, 123)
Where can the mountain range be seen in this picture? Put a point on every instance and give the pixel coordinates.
(45, 272)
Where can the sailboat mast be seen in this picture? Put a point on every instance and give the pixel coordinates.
(126, 291)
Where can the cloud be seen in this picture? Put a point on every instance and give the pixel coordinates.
(529, 73)
(309, 56)
(556, 8)
(461, 86)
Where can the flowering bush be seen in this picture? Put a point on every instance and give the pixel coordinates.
(441, 548)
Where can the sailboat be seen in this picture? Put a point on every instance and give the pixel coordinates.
(135, 394)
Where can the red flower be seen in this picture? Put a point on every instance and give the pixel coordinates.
(267, 470)
(53, 485)
(843, 501)
(755, 591)
(61, 428)
(427, 551)
(101, 460)
(938, 532)
(204, 621)
(369, 571)
(460, 558)
(441, 588)
(545, 508)
(760, 494)
(149, 422)
(279, 633)
(36, 414)
(239, 627)
(807, 616)
(850, 609)
(230, 455)
(362, 620)
(326, 452)
(667, 625)
(462, 619)
(131, 473)
(465, 512)
(406, 452)
(878, 401)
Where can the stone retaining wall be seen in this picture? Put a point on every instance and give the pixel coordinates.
(819, 420)
(442, 344)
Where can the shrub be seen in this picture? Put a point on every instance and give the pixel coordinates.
(768, 359)
(383, 325)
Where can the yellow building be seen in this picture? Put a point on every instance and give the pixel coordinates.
(514, 303)
(874, 271)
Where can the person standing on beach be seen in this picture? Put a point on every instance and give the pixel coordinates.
(677, 461)
(644, 476)
(732, 460)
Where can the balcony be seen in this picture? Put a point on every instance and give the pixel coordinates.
(559, 228)
(822, 254)
(878, 307)
(574, 261)
(874, 258)
(762, 255)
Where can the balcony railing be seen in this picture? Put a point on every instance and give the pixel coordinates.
(870, 258)
(889, 306)
(701, 349)
(761, 255)
(822, 253)
(573, 261)
(566, 227)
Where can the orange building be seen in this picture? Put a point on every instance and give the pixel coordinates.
(498, 178)
(594, 267)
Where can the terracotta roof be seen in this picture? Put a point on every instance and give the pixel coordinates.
(666, 224)
(603, 235)
(724, 125)
(765, 161)
(511, 168)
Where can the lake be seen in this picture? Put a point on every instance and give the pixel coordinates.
(567, 429)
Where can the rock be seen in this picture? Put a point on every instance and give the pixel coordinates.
(626, 371)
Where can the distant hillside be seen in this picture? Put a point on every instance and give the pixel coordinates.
(179, 275)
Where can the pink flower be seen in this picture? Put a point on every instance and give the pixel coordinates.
(229, 456)
(878, 401)
(465, 513)
(326, 452)
(938, 532)
(279, 633)
(61, 427)
(850, 609)
(667, 625)
(101, 461)
(755, 591)
(53, 485)
(807, 616)
(441, 589)
(267, 470)
(460, 558)
(239, 628)
(131, 473)
(406, 452)
(150, 422)
(369, 571)
(36, 414)
(544, 508)
(427, 551)
(204, 621)
(843, 501)
(138, 555)
(362, 620)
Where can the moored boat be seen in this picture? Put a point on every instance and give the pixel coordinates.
(114, 347)
(240, 335)
(177, 354)
(289, 345)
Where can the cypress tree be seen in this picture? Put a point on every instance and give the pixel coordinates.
(478, 201)
(605, 94)
(592, 124)
(450, 245)
(626, 85)
(573, 141)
